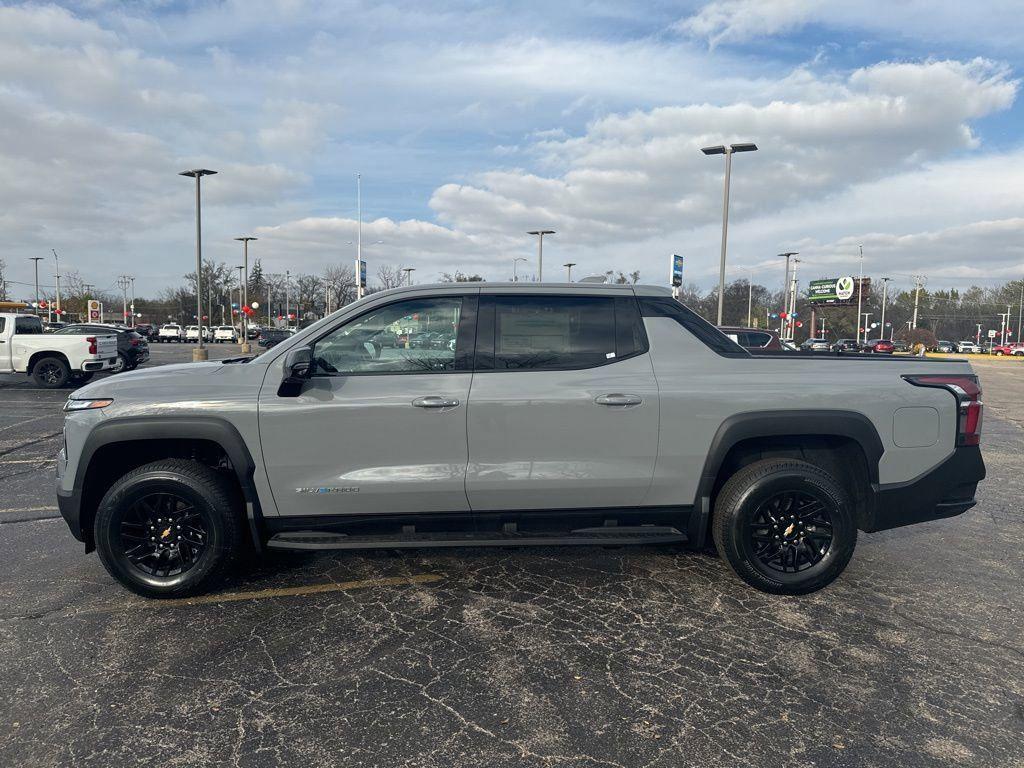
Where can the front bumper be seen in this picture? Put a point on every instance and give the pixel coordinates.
(70, 505)
(945, 491)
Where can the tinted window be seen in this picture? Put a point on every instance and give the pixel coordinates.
(552, 332)
(414, 336)
(27, 325)
(3, 324)
(752, 338)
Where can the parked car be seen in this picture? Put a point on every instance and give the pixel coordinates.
(52, 360)
(132, 348)
(945, 347)
(967, 347)
(49, 326)
(879, 347)
(602, 414)
(753, 338)
(900, 346)
(225, 333)
(1012, 348)
(192, 333)
(148, 331)
(252, 331)
(816, 345)
(846, 345)
(171, 332)
(270, 337)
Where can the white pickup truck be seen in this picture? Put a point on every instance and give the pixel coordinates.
(170, 332)
(52, 360)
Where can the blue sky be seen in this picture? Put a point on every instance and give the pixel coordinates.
(895, 125)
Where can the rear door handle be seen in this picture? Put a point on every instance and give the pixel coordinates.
(617, 400)
(435, 401)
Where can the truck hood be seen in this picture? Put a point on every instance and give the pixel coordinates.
(180, 383)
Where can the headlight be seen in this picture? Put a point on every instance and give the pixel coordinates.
(86, 405)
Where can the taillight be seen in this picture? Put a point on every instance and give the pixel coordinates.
(967, 392)
(92, 344)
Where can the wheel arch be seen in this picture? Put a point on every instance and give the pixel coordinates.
(37, 356)
(845, 442)
(114, 447)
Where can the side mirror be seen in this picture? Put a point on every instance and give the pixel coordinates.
(298, 368)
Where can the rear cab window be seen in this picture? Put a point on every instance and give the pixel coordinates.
(27, 326)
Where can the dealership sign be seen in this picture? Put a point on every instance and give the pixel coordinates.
(836, 291)
(677, 270)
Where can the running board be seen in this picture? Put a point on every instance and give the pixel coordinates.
(605, 536)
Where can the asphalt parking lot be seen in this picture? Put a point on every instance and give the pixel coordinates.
(541, 657)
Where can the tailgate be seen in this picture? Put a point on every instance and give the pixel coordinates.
(106, 346)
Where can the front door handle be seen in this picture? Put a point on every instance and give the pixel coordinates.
(435, 401)
(617, 400)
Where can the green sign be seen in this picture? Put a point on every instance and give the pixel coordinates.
(836, 291)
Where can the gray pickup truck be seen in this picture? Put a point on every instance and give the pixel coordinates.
(513, 415)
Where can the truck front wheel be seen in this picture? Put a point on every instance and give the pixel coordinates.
(169, 529)
(51, 373)
(784, 526)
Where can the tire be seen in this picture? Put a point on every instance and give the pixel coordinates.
(214, 525)
(51, 373)
(744, 525)
(121, 365)
(999, 353)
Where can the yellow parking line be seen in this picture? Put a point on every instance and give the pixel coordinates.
(27, 509)
(312, 589)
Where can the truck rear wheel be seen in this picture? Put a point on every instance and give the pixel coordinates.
(170, 528)
(784, 526)
(51, 373)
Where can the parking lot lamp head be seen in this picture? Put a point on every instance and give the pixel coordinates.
(197, 173)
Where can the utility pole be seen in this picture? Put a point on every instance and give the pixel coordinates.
(540, 249)
(123, 282)
(750, 298)
(37, 259)
(919, 280)
(885, 286)
(860, 292)
(790, 320)
(785, 290)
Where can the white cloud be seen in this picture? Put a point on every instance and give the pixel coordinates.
(642, 174)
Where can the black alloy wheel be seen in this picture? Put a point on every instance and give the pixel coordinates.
(163, 534)
(791, 531)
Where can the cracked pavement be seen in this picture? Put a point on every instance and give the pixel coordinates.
(573, 657)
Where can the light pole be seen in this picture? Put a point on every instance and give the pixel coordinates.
(287, 299)
(123, 282)
(728, 152)
(515, 263)
(790, 320)
(37, 259)
(408, 274)
(540, 250)
(785, 287)
(133, 301)
(885, 290)
(200, 352)
(241, 303)
(56, 263)
(1020, 309)
(568, 266)
(244, 298)
(860, 292)
(865, 315)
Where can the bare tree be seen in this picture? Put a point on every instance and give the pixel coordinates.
(622, 279)
(389, 276)
(309, 295)
(3, 281)
(460, 277)
(341, 284)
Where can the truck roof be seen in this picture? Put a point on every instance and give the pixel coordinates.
(593, 289)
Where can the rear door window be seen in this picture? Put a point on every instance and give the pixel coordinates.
(546, 332)
(24, 326)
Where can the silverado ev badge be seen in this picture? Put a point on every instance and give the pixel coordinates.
(333, 489)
